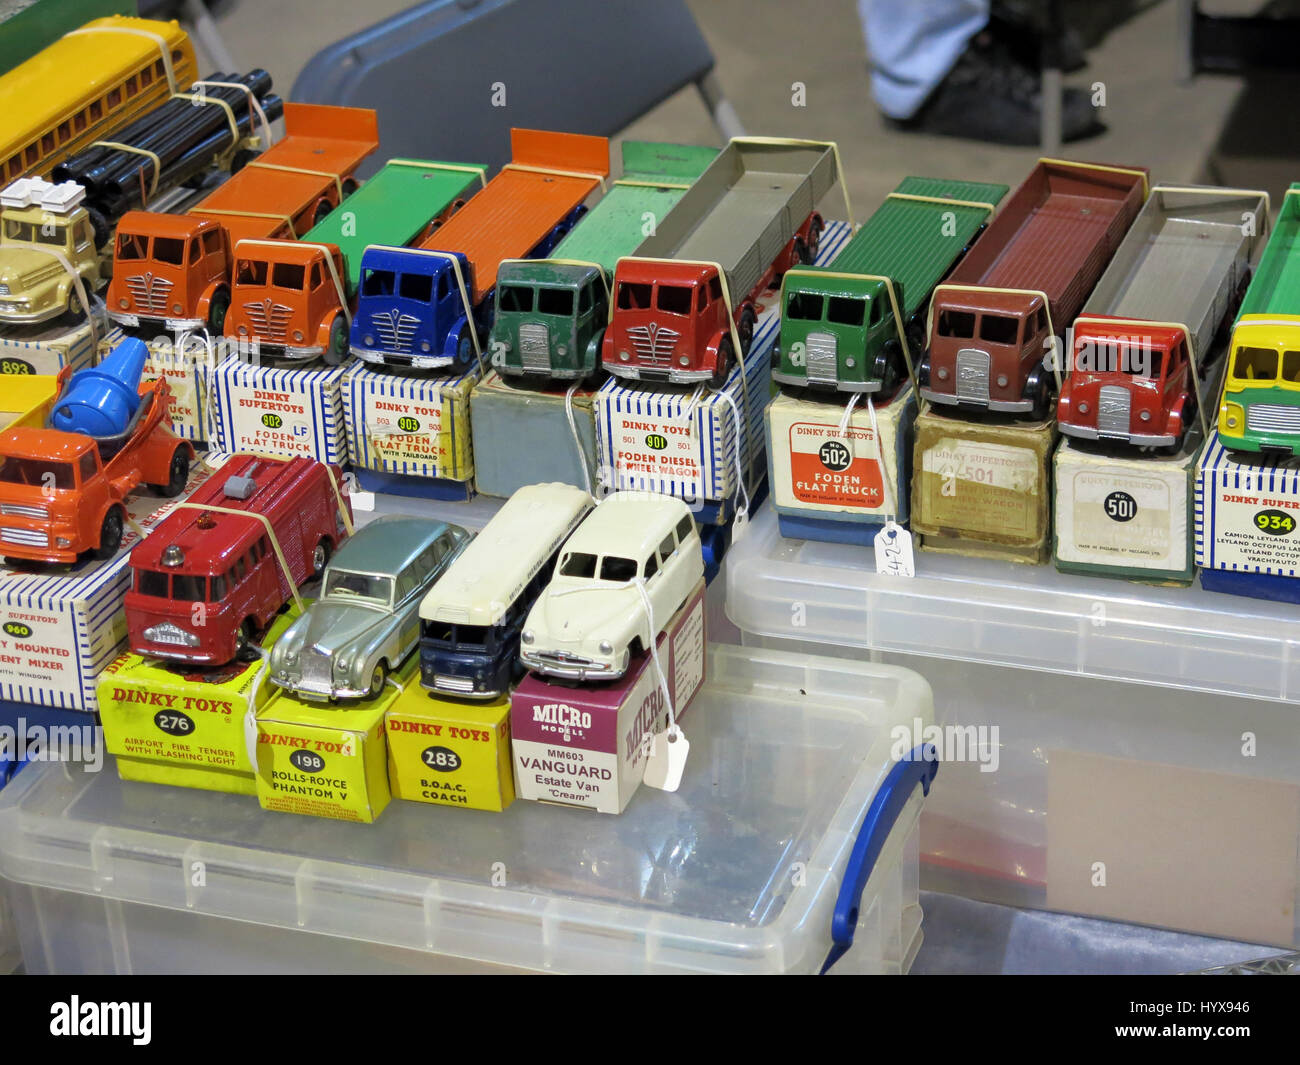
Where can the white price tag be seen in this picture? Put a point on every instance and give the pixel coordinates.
(667, 759)
(362, 500)
(894, 551)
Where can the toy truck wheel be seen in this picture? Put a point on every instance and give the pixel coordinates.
(336, 348)
(723, 365)
(75, 309)
(323, 208)
(110, 533)
(814, 242)
(241, 159)
(217, 308)
(889, 367)
(100, 226)
(378, 678)
(178, 473)
(320, 557)
(464, 349)
(748, 319)
(350, 185)
(245, 648)
(1040, 393)
(923, 372)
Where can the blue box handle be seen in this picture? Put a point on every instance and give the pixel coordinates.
(919, 767)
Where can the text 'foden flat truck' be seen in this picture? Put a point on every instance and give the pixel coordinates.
(748, 219)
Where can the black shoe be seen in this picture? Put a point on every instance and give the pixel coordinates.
(990, 96)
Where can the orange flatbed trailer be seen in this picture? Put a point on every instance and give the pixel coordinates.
(549, 175)
(278, 194)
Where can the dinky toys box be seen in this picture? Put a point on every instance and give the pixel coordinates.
(450, 752)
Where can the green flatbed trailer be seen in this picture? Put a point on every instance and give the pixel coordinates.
(655, 177)
(837, 327)
(394, 207)
(1260, 408)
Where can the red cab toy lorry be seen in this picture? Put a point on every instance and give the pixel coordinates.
(207, 554)
(63, 487)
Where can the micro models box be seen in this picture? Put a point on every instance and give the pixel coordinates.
(522, 436)
(830, 483)
(1248, 523)
(49, 346)
(1125, 514)
(587, 745)
(327, 759)
(171, 725)
(982, 488)
(448, 752)
(60, 626)
(409, 426)
(287, 412)
(684, 442)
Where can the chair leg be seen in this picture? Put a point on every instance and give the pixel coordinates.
(724, 115)
(209, 37)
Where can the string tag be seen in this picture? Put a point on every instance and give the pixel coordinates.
(362, 500)
(894, 551)
(667, 758)
(739, 526)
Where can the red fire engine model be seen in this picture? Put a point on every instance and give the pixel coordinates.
(210, 578)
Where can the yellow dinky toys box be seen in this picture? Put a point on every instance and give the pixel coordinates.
(327, 759)
(171, 724)
(450, 753)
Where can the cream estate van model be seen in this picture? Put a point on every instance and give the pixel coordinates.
(591, 621)
(471, 619)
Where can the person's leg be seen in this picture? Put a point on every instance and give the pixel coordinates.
(913, 44)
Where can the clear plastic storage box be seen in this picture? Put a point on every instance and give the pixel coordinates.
(792, 780)
(1151, 729)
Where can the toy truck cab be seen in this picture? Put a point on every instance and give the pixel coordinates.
(1128, 383)
(671, 323)
(170, 270)
(410, 310)
(288, 298)
(1260, 409)
(987, 352)
(550, 320)
(837, 332)
(40, 224)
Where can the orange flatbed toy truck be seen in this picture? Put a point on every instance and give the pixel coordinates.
(63, 487)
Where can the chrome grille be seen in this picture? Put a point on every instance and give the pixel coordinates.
(534, 346)
(316, 670)
(453, 684)
(1273, 418)
(567, 658)
(149, 293)
(270, 320)
(973, 375)
(654, 343)
(166, 632)
(29, 537)
(395, 329)
(24, 510)
(819, 355)
(1113, 411)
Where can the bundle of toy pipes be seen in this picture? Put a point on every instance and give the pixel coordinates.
(172, 143)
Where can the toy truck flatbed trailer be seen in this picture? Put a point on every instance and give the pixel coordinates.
(988, 350)
(1260, 408)
(428, 307)
(753, 214)
(561, 340)
(837, 322)
(176, 270)
(396, 206)
(1183, 267)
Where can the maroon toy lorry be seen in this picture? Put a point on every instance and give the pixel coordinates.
(1054, 236)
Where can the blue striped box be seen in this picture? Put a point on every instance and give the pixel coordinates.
(409, 426)
(60, 627)
(287, 412)
(1247, 513)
